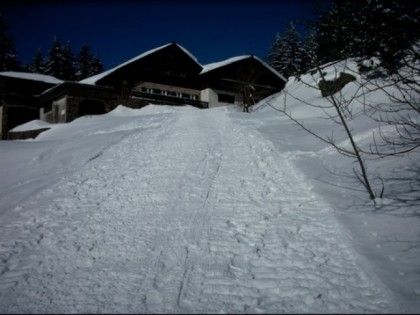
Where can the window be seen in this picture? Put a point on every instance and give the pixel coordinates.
(146, 90)
(171, 93)
(226, 98)
(185, 95)
(156, 91)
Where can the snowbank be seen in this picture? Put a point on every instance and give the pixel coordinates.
(386, 235)
(175, 209)
(32, 125)
(123, 111)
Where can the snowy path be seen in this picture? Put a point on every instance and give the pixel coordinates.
(196, 215)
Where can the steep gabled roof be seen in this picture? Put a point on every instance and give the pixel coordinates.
(94, 79)
(217, 65)
(31, 76)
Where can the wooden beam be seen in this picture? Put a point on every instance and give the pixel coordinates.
(249, 83)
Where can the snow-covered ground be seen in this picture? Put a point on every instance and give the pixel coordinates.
(180, 210)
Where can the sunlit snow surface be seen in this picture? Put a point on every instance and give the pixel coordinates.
(180, 210)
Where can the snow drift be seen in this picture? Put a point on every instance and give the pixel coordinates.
(180, 210)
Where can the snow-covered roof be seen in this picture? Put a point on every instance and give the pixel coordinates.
(206, 68)
(32, 125)
(97, 77)
(219, 64)
(215, 65)
(271, 69)
(31, 76)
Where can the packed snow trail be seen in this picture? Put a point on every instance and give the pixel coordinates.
(196, 215)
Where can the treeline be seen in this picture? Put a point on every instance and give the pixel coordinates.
(61, 62)
(348, 28)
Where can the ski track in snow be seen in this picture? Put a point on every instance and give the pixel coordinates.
(197, 215)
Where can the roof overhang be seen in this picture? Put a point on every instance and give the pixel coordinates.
(74, 88)
(101, 76)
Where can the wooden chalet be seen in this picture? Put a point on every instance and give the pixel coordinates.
(168, 75)
(171, 75)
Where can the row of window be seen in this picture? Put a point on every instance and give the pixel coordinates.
(222, 98)
(169, 93)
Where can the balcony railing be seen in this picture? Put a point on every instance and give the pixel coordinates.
(168, 100)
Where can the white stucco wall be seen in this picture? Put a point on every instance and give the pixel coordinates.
(211, 96)
(1, 119)
(59, 109)
(42, 114)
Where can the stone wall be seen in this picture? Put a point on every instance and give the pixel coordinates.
(133, 102)
(72, 107)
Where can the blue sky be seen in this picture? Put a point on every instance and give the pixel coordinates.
(120, 30)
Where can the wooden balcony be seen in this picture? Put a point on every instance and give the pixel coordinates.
(167, 100)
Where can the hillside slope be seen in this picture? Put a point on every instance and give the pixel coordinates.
(388, 233)
(175, 210)
(189, 211)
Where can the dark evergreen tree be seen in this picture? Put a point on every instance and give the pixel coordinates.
(53, 65)
(381, 28)
(83, 62)
(274, 58)
(60, 63)
(310, 58)
(68, 63)
(88, 64)
(286, 54)
(96, 66)
(8, 55)
(38, 63)
(386, 29)
(334, 33)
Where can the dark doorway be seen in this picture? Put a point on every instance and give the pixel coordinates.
(90, 107)
(17, 115)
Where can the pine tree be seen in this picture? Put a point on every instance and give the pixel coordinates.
(96, 66)
(310, 58)
(381, 28)
(88, 64)
(287, 53)
(68, 63)
(387, 28)
(8, 55)
(274, 59)
(334, 32)
(83, 62)
(38, 63)
(60, 63)
(53, 65)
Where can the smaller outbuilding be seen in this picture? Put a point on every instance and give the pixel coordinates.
(19, 101)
